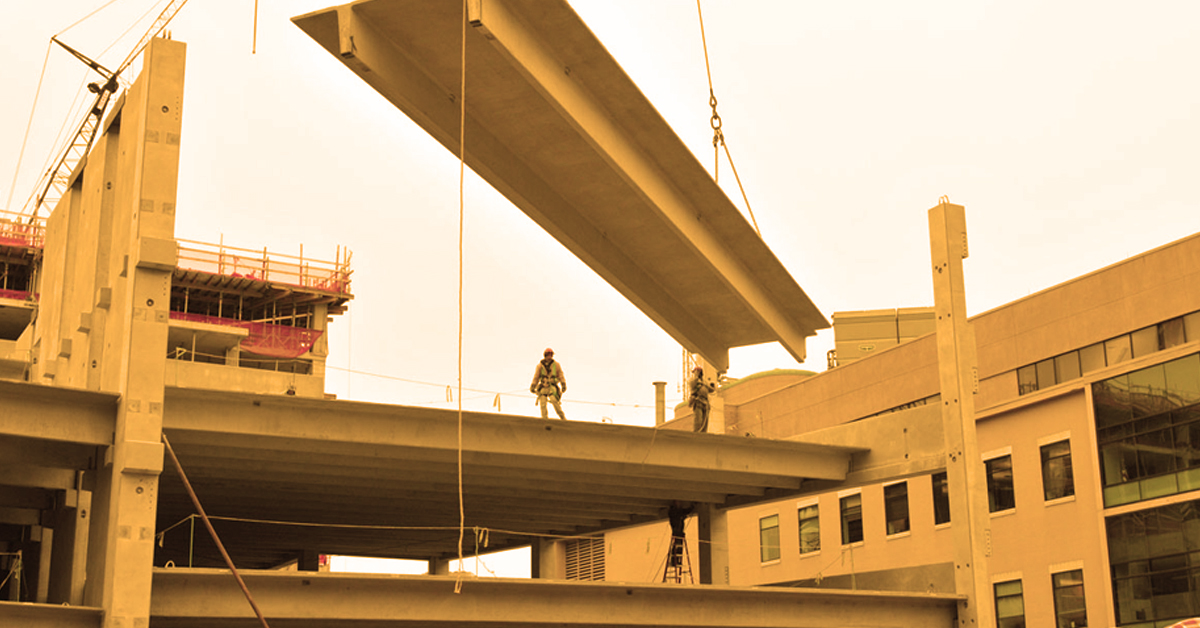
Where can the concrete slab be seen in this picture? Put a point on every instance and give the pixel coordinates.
(186, 598)
(555, 124)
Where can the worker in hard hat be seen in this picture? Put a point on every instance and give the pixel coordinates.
(549, 384)
(699, 400)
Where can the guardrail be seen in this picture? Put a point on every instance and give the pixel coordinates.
(266, 266)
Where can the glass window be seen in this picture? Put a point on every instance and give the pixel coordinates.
(1091, 358)
(1026, 380)
(1117, 350)
(1070, 610)
(941, 499)
(1145, 341)
(1171, 333)
(1183, 380)
(852, 524)
(895, 505)
(1191, 327)
(1045, 374)
(1010, 605)
(1066, 367)
(810, 529)
(1000, 484)
(768, 535)
(1146, 388)
(1154, 563)
(1057, 479)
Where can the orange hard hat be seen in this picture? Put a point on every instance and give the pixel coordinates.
(548, 351)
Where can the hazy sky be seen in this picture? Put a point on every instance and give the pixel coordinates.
(1069, 130)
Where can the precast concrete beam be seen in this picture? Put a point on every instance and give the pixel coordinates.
(208, 597)
(28, 615)
(57, 414)
(555, 125)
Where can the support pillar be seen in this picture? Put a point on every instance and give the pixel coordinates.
(548, 560)
(959, 378)
(69, 558)
(46, 545)
(714, 544)
(143, 256)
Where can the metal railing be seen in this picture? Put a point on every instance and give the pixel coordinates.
(22, 230)
(263, 265)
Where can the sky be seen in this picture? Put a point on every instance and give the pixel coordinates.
(1069, 131)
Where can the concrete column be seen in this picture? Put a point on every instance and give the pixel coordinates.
(660, 403)
(69, 558)
(959, 380)
(548, 560)
(42, 591)
(233, 356)
(439, 567)
(121, 541)
(714, 544)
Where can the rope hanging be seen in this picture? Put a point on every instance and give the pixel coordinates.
(462, 124)
(718, 134)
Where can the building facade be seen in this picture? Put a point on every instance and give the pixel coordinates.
(1086, 413)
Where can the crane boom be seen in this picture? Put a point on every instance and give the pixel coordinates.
(55, 181)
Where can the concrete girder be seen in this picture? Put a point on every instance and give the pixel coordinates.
(57, 414)
(555, 125)
(330, 426)
(192, 597)
(28, 615)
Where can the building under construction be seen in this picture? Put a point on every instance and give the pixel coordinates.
(131, 359)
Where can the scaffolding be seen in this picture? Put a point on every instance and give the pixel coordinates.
(262, 265)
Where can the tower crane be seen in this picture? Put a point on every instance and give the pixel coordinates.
(54, 183)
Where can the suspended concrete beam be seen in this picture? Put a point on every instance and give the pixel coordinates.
(57, 414)
(555, 124)
(208, 597)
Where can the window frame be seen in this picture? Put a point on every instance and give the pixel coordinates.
(842, 511)
(815, 507)
(764, 532)
(994, 486)
(939, 498)
(1019, 595)
(895, 494)
(1048, 457)
(1055, 588)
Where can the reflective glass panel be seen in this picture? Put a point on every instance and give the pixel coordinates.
(895, 504)
(852, 525)
(768, 528)
(1026, 380)
(1045, 374)
(1144, 341)
(1183, 380)
(1091, 358)
(1117, 350)
(1066, 366)
(810, 529)
(941, 499)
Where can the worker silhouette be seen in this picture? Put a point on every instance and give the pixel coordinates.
(677, 515)
(699, 400)
(549, 384)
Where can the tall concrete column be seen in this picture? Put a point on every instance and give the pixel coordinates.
(959, 381)
(548, 560)
(714, 544)
(121, 543)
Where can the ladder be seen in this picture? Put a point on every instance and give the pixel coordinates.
(678, 562)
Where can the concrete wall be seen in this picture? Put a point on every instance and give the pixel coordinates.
(183, 374)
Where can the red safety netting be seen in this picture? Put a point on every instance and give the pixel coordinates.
(267, 339)
(21, 295)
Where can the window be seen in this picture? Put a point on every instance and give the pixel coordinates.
(1091, 358)
(852, 525)
(1154, 564)
(1027, 380)
(1010, 605)
(810, 529)
(1000, 484)
(941, 499)
(768, 537)
(1070, 610)
(1144, 341)
(1066, 366)
(1045, 373)
(1057, 479)
(1117, 350)
(895, 506)
(1148, 431)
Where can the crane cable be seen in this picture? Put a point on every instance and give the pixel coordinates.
(715, 123)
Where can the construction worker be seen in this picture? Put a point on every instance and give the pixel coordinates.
(699, 400)
(549, 384)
